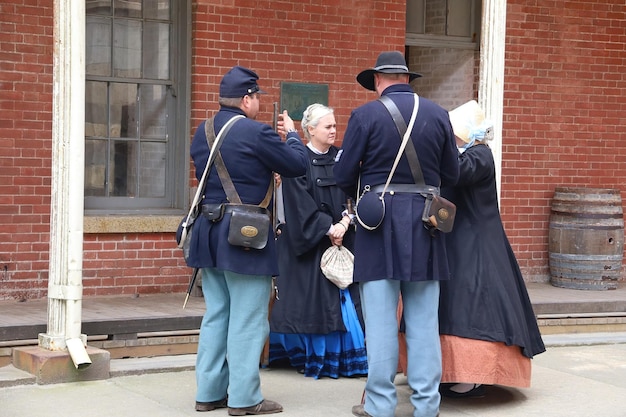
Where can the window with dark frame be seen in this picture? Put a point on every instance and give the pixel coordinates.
(133, 132)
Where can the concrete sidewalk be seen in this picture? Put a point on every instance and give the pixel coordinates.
(569, 379)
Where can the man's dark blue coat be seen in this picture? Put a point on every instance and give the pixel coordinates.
(252, 151)
(401, 248)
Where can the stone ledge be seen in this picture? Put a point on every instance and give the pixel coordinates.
(51, 367)
(131, 224)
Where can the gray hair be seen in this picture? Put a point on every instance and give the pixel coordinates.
(311, 117)
(230, 101)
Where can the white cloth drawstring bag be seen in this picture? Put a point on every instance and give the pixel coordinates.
(337, 265)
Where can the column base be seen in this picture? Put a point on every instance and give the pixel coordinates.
(53, 367)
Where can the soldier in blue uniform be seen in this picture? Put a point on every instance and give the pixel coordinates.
(400, 257)
(236, 281)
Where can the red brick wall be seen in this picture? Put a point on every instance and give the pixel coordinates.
(134, 263)
(25, 146)
(564, 106)
(293, 41)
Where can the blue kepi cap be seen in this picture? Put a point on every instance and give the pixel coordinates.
(239, 82)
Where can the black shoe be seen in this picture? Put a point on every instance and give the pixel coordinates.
(212, 405)
(477, 392)
(359, 411)
(264, 407)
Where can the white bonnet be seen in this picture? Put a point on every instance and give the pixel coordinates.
(469, 123)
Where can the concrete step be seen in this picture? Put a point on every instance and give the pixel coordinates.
(575, 323)
(573, 311)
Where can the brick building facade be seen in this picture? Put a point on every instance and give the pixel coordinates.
(564, 96)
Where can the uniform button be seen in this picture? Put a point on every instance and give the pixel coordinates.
(392, 192)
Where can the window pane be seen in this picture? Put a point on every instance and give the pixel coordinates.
(95, 167)
(153, 111)
(157, 9)
(102, 7)
(152, 168)
(96, 109)
(156, 52)
(123, 110)
(127, 49)
(459, 18)
(98, 42)
(123, 173)
(415, 16)
(128, 8)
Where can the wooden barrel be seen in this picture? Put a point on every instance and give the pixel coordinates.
(586, 240)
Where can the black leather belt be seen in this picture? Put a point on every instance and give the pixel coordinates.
(215, 212)
(406, 188)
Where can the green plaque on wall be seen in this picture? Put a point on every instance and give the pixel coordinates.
(296, 97)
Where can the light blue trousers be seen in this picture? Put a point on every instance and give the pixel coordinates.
(379, 302)
(233, 331)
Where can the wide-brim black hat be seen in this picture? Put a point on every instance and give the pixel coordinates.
(389, 63)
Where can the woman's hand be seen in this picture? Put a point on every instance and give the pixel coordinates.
(340, 228)
(336, 241)
(337, 231)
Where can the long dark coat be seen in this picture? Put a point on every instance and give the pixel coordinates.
(401, 248)
(308, 302)
(486, 299)
(252, 151)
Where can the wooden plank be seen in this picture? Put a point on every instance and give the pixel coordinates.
(108, 327)
(161, 324)
(115, 315)
(21, 332)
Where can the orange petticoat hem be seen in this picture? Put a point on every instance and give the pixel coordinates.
(482, 362)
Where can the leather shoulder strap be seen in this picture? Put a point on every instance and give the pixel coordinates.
(409, 151)
(227, 183)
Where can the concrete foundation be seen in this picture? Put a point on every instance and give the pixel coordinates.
(53, 367)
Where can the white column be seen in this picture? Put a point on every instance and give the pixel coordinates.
(66, 217)
(491, 84)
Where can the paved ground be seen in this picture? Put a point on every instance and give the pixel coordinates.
(574, 378)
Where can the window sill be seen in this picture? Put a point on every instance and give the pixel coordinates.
(131, 224)
(437, 41)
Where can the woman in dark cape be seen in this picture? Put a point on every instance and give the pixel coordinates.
(488, 329)
(315, 325)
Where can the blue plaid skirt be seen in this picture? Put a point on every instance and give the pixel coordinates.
(325, 355)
